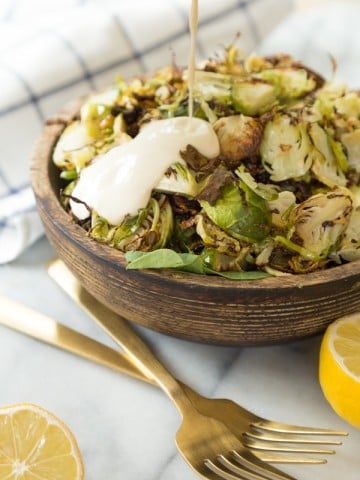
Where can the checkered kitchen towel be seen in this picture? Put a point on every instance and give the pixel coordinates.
(53, 52)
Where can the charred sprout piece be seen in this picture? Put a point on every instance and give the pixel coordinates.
(178, 179)
(349, 249)
(239, 137)
(281, 208)
(211, 186)
(348, 105)
(96, 112)
(329, 161)
(289, 83)
(230, 63)
(286, 150)
(266, 191)
(75, 148)
(149, 230)
(197, 162)
(215, 238)
(351, 142)
(319, 222)
(211, 85)
(217, 261)
(96, 132)
(253, 97)
(326, 99)
(240, 213)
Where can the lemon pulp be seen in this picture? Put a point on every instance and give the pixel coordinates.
(339, 367)
(36, 445)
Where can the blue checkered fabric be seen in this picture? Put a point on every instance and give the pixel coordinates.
(53, 52)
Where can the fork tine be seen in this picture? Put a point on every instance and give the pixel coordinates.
(285, 428)
(222, 473)
(237, 472)
(275, 447)
(271, 457)
(289, 438)
(247, 460)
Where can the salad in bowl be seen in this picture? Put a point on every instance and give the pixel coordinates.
(280, 196)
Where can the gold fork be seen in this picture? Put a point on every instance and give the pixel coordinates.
(247, 426)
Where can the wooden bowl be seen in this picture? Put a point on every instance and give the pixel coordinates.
(195, 307)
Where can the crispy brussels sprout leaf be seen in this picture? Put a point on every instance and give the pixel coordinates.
(95, 109)
(267, 192)
(179, 180)
(329, 162)
(351, 141)
(320, 220)
(210, 189)
(74, 148)
(281, 207)
(215, 237)
(286, 150)
(289, 83)
(244, 218)
(211, 85)
(348, 105)
(253, 97)
(148, 230)
(239, 137)
(349, 249)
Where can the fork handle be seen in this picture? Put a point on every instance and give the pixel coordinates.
(120, 331)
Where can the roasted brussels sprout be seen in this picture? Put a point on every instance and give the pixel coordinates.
(319, 222)
(75, 148)
(329, 163)
(239, 137)
(289, 83)
(286, 150)
(253, 97)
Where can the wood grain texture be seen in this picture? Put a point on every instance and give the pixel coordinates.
(189, 306)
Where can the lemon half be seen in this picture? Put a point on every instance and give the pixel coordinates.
(36, 445)
(339, 367)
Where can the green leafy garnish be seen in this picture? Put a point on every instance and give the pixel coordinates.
(186, 262)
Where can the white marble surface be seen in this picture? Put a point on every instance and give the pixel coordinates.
(125, 428)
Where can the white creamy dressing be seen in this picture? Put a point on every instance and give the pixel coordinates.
(121, 181)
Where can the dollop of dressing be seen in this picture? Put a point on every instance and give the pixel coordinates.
(121, 181)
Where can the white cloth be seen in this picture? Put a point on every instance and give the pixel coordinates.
(53, 52)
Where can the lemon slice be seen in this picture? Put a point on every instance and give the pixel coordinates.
(339, 367)
(35, 445)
